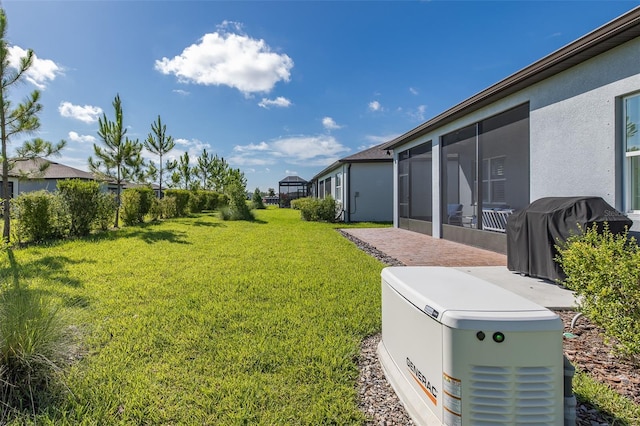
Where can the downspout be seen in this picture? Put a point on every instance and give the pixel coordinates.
(348, 206)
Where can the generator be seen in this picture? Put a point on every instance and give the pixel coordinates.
(458, 350)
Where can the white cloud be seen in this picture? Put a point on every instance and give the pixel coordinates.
(280, 102)
(243, 161)
(75, 137)
(181, 92)
(330, 124)
(378, 139)
(231, 59)
(418, 113)
(262, 146)
(291, 172)
(320, 150)
(375, 106)
(86, 113)
(193, 146)
(413, 90)
(41, 71)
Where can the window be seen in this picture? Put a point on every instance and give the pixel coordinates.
(321, 189)
(632, 151)
(338, 186)
(415, 184)
(500, 144)
(327, 187)
(494, 180)
(10, 191)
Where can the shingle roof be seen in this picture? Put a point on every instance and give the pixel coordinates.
(608, 36)
(54, 171)
(370, 155)
(375, 153)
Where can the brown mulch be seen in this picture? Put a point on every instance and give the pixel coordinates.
(589, 352)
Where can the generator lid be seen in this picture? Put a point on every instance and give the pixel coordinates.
(460, 300)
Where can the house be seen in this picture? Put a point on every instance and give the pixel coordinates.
(361, 184)
(25, 176)
(565, 125)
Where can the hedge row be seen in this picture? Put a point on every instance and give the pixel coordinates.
(79, 207)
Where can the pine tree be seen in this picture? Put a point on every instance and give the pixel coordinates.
(120, 159)
(160, 144)
(13, 121)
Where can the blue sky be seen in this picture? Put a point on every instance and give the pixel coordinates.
(277, 88)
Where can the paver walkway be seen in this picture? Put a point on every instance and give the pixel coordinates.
(415, 249)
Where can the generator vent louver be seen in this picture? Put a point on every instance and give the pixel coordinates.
(512, 395)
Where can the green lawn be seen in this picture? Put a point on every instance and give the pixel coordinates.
(199, 321)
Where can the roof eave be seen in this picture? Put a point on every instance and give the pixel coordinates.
(608, 36)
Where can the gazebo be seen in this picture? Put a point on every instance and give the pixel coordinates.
(291, 188)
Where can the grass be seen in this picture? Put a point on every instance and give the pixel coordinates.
(202, 321)
(622, 411)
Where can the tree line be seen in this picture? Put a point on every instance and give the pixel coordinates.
(116, 159)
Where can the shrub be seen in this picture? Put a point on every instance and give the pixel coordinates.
(31, 349)
(81, 201)
(105, 210)
(147, 195)
(256, 201)
(168, 207)
(237, 208)
(40, 215)
(197, 201)
(130, 207)
(181, 200)
(315, 209)
(604, 271)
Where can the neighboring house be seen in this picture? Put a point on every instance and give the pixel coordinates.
(361, 184)
(567, 125)
(47, 181)
(24, 176)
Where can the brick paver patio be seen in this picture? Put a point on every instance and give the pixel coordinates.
(415, 249)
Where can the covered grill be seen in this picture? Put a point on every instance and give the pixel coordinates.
(532, 233)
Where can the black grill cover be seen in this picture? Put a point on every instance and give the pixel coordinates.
(532, 233)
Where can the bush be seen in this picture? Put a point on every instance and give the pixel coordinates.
(182, 200)
(31, 349)
(105, 210)
(315, 209)
(604, 271)
(197, 201)
(147, 195)
(81, 202)
(256, 201)
(168, 208)
(40, 215)
(130, 207)
(237, 208)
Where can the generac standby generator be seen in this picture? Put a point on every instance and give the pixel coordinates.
(459, 350)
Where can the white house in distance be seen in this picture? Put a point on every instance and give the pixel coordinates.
(362, 185)
(47, 181)
(566, 125)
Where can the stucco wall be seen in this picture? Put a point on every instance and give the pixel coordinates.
(576, 121)
(575, 128)
(374, 184)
